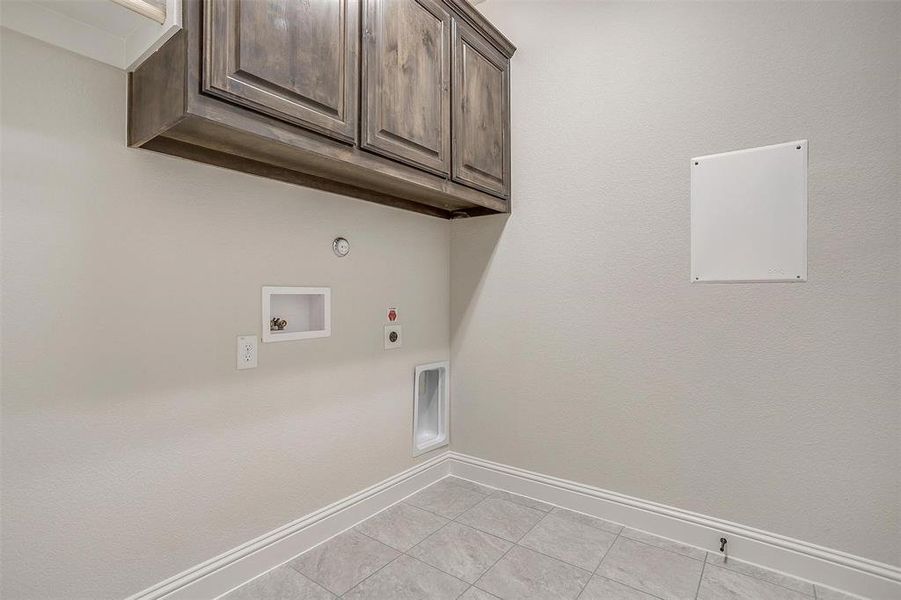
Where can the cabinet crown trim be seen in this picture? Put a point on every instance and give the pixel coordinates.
(476, 19)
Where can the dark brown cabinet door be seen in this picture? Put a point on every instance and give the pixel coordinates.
(293, 59)
(406, 76)
(481, 100)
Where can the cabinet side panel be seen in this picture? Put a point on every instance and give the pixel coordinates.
(156, 91)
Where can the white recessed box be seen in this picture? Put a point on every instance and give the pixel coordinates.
(749, 215)
(430, 399)
(307, 310)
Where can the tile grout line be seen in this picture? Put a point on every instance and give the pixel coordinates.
(377, 570)
(466, 583)
(812, 584)
(500, 558)
(449, 521)
(620, 535)
(632, 539)
(701, 578)
(700, 560)
(612, 544)
(594, 573)
(545, 515)
(540, 521)
(404, 553)
(439, 568)
(512, 546)
(703, 562)
(423, 540)
(354, 528)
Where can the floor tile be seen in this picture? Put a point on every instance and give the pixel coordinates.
(281, 583)
(501, 518)
(462, 551)
(522, 500)
(659, 572)
(408, 579)
(459, 538)
(653, 540)
(344, 561)
(588, 520)
(526, 575)
(601, 588)
(402, 526)
(470, 485)
(823, 593)
(446, 499)
(570, 541)
(723, 584)
(475, 593)
(787, 581)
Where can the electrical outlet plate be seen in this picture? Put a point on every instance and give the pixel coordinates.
(395, 341)
(247, 352)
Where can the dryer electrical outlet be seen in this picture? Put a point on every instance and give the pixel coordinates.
(393, 337)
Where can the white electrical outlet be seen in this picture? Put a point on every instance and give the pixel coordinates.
(247, 351)
(393, 337)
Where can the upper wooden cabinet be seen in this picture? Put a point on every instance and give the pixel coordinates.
(401, 102)
(292, 59)
(406, 81)
(481, 99)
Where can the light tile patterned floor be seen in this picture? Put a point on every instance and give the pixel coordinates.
(460, 540)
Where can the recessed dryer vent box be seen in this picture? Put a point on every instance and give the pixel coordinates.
(306, 312)
(749, 215)
(430, 403)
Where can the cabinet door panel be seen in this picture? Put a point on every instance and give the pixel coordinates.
(292, 59)
(481, 100)
(406, 75)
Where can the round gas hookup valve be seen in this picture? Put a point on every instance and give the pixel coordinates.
(341, 247)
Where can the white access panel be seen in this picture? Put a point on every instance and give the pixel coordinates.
(749, 215)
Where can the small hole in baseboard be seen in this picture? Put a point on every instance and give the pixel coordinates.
(797, 147)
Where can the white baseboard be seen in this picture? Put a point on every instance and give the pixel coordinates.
(227, 571)
(832, 568)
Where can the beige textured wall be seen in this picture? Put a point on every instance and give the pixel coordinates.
(580, 349)
(132, 448)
